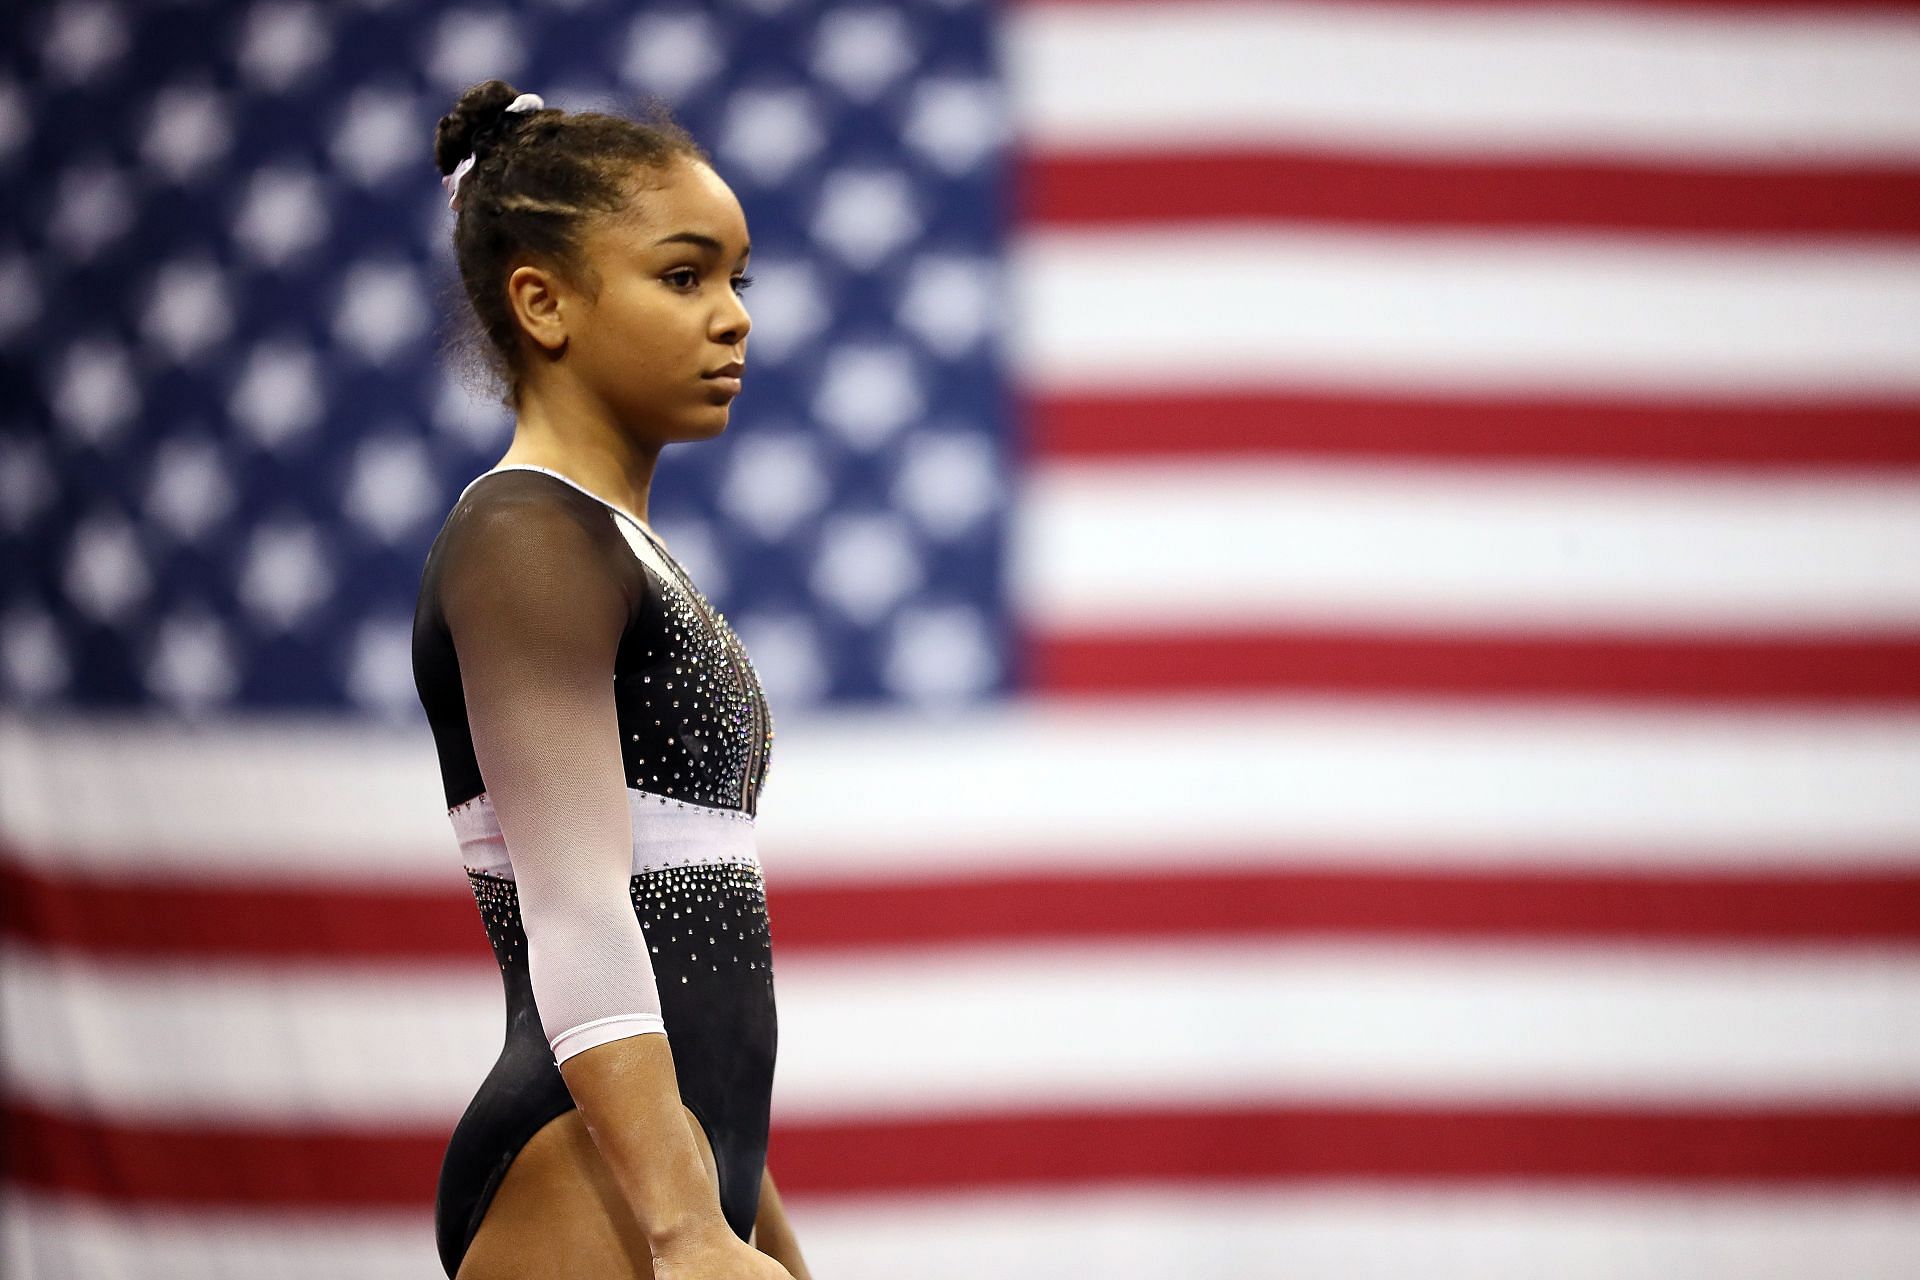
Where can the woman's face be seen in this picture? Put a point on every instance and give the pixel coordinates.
(668, 318)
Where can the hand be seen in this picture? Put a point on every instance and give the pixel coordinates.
(719, 1255)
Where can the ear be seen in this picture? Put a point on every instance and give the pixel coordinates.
(538, 303)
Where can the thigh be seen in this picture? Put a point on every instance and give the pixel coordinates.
(559, 1211)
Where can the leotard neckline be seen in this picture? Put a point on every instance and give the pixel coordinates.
(615, 507)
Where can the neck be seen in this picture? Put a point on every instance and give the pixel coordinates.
(568, 434)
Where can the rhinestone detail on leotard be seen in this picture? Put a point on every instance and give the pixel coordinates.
(698, 677)
(702, 914)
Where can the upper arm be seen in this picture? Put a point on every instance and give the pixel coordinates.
(536, 610)
(536, 619)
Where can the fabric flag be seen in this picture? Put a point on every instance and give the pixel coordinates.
(1339, 587)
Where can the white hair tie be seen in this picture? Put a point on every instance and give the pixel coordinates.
(525, 102)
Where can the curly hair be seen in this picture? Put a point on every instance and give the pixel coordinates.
(538, 178)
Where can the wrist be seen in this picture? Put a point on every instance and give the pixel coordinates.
(693, 1230)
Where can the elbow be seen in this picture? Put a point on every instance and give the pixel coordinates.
(593, 981)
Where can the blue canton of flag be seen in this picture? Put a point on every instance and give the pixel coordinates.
(232, 431)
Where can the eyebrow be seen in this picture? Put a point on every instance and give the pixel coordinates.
(694, 237)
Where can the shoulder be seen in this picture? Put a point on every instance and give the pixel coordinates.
(524, 536)
(528, 504)
(529, 521)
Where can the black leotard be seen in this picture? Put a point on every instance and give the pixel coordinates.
(528, 548)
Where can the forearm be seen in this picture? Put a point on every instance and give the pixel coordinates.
(630, 1100)
(773, 1232)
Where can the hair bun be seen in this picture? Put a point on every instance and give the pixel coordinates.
(476, 122)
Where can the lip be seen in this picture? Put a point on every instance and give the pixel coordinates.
(732, 370)
(729, 385)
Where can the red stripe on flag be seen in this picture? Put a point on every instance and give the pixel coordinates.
(1807, 8)
(124, 920)
(123, 917)
(1538, 905)
(236, 1164)
(1659, 1145)
(1105, 189)
(253, 1166)
(1281, 422)
(1793, 668)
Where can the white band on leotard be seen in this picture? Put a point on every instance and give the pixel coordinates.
(667, 832)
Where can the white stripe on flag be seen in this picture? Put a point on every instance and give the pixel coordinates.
(1244, 543)
(1323, 1232)
(1330, 1232)
(1763, 86)
(1223, 309)
(938, 1030)
(1028, 787)
(245, 798)
(50, 1238)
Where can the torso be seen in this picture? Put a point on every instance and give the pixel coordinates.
(695, 736)
(695, 729)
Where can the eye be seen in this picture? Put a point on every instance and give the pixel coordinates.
(688, 274)
(742, 283)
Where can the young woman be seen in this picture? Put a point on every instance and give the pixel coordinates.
(602, 737)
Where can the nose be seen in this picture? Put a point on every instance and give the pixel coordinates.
(731, 321)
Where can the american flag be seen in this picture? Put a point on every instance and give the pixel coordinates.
(1339, 585)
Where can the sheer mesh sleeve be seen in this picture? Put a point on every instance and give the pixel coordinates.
(536, 607)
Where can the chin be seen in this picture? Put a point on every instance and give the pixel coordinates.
(708, 426)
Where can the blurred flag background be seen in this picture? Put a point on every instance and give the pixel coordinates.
(1340, 585)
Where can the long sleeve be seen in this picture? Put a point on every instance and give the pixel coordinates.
(536, 608)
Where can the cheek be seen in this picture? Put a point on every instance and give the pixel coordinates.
(627, 337)
(652, 327)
